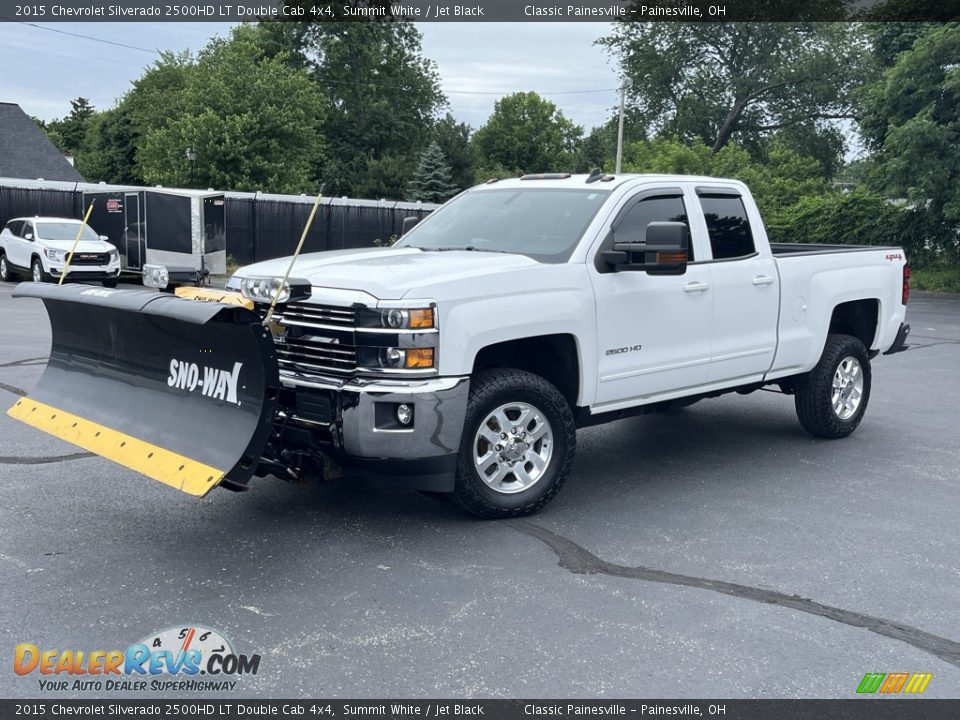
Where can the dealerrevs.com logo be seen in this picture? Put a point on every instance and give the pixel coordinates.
(177, 659)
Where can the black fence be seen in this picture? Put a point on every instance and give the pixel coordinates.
(259, 227)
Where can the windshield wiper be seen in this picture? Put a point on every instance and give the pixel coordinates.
(468, 248)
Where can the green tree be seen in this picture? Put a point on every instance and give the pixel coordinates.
(51, 130)
(159, 95)
(598, 149)
(784, 178)
(912, 121)
(722, 82)
(859, 217)
(454, 140)
(109, 149)
(382, 98)
(68, 133)
(527, 134)
(253, 121)
(432, 181)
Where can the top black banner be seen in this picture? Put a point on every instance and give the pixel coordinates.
(481, 10)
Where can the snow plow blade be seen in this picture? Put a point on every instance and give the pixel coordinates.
(178, 390)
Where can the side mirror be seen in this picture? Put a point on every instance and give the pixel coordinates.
(28, 236)
(665, 250)
(668, 248)
(407, 224)
(105, 238)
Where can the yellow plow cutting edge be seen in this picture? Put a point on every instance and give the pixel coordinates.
(181, 391)
(147, 459)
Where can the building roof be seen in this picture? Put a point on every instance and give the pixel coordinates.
(26, 152)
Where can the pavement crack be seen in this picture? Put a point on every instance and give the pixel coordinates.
(25, 361)
(579, 560)
(42, 459)
(13, 389)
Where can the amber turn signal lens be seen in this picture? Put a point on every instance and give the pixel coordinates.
(420, 319)
(667, 258)
(420, 358)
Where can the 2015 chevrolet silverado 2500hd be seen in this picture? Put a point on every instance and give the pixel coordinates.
(464, 358)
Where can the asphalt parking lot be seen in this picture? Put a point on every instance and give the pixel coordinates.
(718, 551)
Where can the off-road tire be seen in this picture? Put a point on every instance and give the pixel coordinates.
(490, 389)
(813, 391)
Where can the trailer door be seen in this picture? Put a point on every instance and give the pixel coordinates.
(215, 234)
(133, 240)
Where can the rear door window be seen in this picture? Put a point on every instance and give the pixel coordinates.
(727, 226)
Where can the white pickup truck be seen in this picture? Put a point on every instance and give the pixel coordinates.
(464, 358)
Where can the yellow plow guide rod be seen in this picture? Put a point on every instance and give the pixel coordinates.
(76, 240)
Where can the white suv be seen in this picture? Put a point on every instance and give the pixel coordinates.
(40, 246)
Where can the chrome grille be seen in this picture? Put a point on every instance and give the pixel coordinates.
(318, 338)
(308, 353)
(310, 315)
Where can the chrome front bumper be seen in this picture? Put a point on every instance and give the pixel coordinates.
(358, 427)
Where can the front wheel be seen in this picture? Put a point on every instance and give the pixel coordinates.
(518, 444)
(36, 271)
(832, 398)
(111, 283)
(5, 274)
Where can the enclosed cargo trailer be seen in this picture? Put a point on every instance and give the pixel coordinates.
(183, 229)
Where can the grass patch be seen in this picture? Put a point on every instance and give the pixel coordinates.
(936, 279)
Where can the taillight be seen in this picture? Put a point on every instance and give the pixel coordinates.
(906, 283)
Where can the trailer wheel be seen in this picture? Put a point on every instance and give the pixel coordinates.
(832, 398)
(518, 444)
(36, 271)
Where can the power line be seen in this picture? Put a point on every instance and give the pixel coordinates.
(324, 80)
(89, 37)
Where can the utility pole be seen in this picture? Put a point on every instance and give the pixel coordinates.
(624, 86)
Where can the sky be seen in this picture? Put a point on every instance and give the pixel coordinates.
(42, 70)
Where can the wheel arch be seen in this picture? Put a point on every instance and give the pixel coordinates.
(554, 357)
(859, 318)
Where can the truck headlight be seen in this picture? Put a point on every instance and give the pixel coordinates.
(407, 319)
(407, 358)
(56, 255)
(262, 289)
(114, 257)
(156, 276)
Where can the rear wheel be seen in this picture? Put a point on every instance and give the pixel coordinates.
(518, 444)
(5, 274)
(36, 271)
(832, 398)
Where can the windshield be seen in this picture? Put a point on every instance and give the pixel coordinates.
(64, 231)
(544, 224)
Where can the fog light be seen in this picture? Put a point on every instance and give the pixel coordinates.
(404, 414)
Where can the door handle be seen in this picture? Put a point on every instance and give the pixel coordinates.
(695, 287)
(763, 280)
